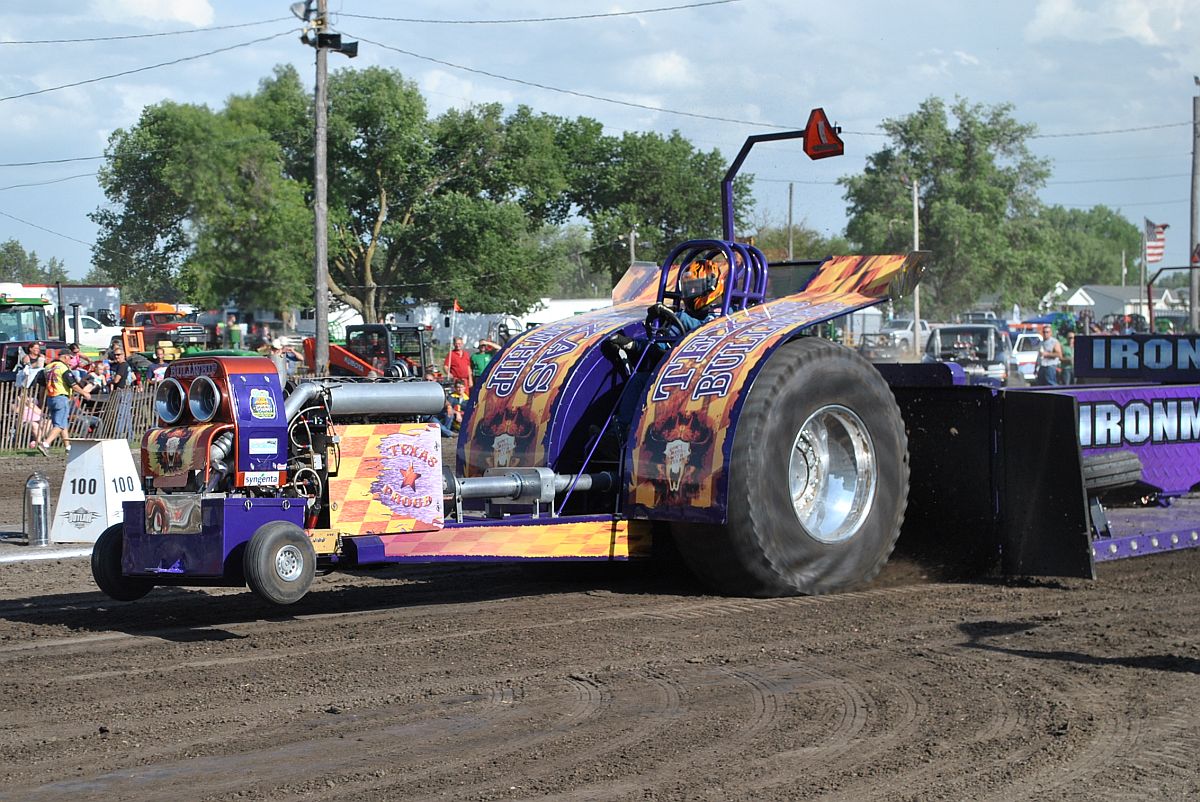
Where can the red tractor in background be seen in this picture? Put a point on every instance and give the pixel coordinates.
(379, 350)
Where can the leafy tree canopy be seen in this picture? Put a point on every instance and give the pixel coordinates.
(199, 209)
(468, 205)
(979, 212)
(25, 268)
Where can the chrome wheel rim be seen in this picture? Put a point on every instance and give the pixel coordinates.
(289, 563)
(831, 474)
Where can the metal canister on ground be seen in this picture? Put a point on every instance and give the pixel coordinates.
(35, 521)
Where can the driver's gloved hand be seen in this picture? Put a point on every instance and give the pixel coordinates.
(655, 312)
(619, 348)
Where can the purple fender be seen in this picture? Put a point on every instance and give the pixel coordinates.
(683, 434)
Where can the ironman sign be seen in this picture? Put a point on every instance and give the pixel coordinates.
(821, 139)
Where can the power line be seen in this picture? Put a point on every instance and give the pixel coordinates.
(142, 35)
(538, 19)
(575, 93)
(60, 234)
(1109, 131)
(52, 181)
(52, 161)
(1114, 180)
(1123, 203)
(148, 67)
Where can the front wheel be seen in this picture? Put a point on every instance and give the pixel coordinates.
(818, 479)
(280, 563)
(106, 567)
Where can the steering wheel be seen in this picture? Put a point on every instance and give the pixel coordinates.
(660, 313)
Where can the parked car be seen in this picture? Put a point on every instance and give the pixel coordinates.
(92, 333)
(902, 329)
(1025, 354)
(880, 347)
(981, 350)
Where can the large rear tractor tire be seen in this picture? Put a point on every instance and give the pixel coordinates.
(818, 479)
(106, 568)
(280, 563)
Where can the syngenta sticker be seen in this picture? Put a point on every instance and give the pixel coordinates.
(260, 478)
(264, 445)
(1136, 423)
(262, 404)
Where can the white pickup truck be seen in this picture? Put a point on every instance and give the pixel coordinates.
(901, 329)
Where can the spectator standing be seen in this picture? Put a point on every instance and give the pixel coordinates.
(158, 368)
(292, 360)
(122, 378)
(1067, 374)
(482, 357)
(120, 374)
(33, 422)
(1049, 358)
(60, 384)
(458, 363)
(234, 331)
(279, 360)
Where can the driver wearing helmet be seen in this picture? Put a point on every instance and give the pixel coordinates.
(702, 288)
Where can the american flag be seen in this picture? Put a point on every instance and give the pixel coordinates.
(1156, 241)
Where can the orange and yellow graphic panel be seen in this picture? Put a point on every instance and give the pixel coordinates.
(605, 539)
(389, 479)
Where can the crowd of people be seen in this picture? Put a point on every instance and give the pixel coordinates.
(463, 370)
(67, 380)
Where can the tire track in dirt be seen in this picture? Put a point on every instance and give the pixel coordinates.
(326, 756)
(643, 724)
(764, 699)
(671, 610)
(857, 745)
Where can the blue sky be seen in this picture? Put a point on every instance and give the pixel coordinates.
(1068, 66)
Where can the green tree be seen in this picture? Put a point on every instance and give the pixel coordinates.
(978, 186)
(807, 243)
(1085, 245)
(433, 209)
(661, 186)
(466, 206)
(199, 208)
(25, 268)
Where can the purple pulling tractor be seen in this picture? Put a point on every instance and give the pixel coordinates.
(699, 406)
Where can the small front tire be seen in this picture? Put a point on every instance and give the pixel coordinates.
(280, 563)
(106, 567)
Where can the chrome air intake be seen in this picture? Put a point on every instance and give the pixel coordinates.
(169, 401)
(204, 398)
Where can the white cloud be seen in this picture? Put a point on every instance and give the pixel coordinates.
(1148, 22)
(444, 90)
(192, 12)
(667, 70)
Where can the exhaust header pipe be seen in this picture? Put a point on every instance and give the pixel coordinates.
(368, 398)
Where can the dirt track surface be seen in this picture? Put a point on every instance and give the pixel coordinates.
(568, 682)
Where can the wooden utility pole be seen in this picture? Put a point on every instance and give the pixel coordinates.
(791, 195)
(320, 198)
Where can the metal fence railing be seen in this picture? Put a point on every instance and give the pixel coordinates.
(126, 414)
